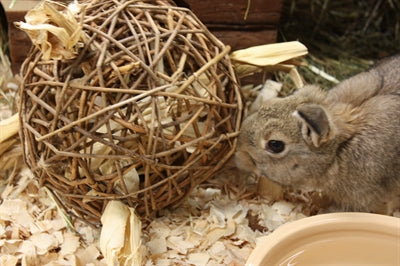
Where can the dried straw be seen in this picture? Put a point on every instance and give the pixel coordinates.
(343, 37)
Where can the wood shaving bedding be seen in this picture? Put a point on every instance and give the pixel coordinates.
(218, 232)
(215, 225)
(32, 232)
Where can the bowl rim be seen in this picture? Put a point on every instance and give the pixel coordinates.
(323, 223)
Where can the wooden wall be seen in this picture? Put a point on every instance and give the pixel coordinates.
(224, 18)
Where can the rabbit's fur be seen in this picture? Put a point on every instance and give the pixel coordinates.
(344, 142)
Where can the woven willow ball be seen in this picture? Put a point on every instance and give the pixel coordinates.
(142, 109)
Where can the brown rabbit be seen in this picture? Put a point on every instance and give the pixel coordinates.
(344, 142)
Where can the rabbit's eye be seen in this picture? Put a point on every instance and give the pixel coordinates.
(275, 146)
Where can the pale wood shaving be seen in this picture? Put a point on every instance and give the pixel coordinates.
(33, 233)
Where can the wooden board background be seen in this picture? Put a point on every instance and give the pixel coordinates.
(261, 13)
(224, 18)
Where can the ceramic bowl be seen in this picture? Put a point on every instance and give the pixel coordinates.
(335, 239)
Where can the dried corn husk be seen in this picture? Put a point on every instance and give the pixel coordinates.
(56, 34)
(8, 127)
(269, 54)
(120, 239)
(269, 90)
(270, 57)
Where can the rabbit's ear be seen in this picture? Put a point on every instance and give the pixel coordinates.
(316, 128)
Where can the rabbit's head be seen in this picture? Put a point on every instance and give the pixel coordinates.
(289, 140)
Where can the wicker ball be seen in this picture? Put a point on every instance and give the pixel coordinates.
(145, 109)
